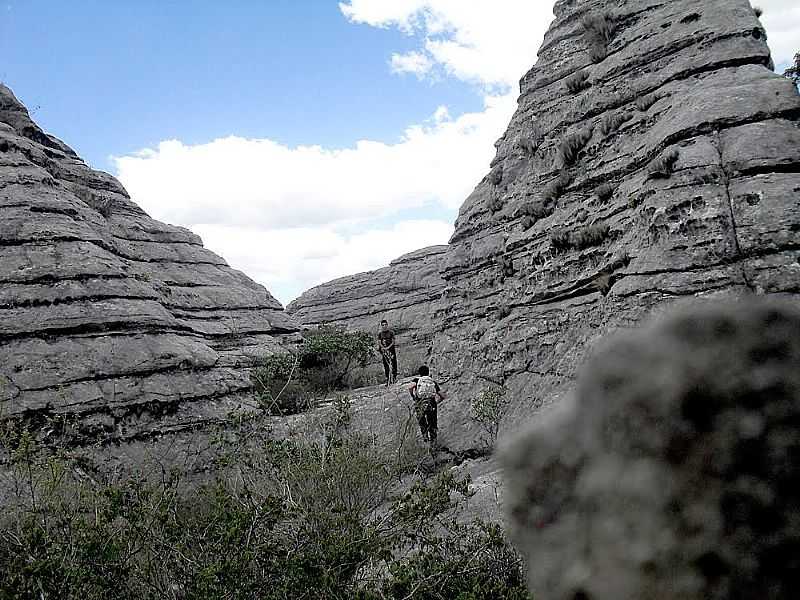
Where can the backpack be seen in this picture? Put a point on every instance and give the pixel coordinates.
(426, 388)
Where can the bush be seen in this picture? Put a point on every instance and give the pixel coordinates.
(613, 121)
(592, 235)
(555, 189)
(644, 103)
(489, 408)
(604, 192)
(529, 144)
(316, 517)
(599, 31)
(578, 82)
(663, 167)
(289, 383)
(572, 145)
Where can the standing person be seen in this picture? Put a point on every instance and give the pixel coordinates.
(388, 353)
(425, 392)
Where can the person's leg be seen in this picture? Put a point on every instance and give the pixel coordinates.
(422, 419)
(394, 366)
(433, 425)
(385, 365)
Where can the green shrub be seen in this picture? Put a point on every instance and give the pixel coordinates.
(288, 383)
(319, 516)
(489, 408)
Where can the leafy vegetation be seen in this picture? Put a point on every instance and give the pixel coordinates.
(489, 408)
(322, 516)
(288, 383)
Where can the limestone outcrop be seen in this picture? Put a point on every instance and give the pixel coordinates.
(113, 326)
(673, 473)
(404, 293)
(654, 157)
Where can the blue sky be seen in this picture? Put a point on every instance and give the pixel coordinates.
(112, 77)
(302, 139)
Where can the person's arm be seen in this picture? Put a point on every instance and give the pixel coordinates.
(412, 388)
(439, 392)
(391, 342)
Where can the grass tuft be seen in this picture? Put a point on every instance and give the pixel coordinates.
(578, 82)
(663, 167)
(572, 145)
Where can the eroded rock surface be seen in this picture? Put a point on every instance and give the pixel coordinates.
(113, 326)
(404, 293)
(674, 472)
(669, 170)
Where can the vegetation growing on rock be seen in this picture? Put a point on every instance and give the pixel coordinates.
(572, 145)
(662, 167)
(578, 82)
(287, 383)
(318, 516)
(599, 30)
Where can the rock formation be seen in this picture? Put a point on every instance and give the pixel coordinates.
(674, 472)
(654, 156)
(404, 293)
(113, 326)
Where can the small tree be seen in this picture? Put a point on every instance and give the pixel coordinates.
(489, 408)
(287, 383)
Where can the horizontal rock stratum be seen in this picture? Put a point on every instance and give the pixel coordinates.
(113, 326)
(404, 293)
(654, 158)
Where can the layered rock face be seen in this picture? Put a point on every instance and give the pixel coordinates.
(113, 326)
(654, 157)
(674, 472)
(404, 293)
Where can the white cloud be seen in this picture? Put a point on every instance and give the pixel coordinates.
(781, 19)
(286, 216)
(259, 182)
(491, 43)
(411, 62)
(289, 261)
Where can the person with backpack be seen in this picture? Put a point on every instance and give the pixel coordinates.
(426, 392)
(388, 352)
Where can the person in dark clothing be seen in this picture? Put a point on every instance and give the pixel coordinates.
(388, 353)
(426, 394)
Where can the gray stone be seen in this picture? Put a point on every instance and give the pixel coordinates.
(123, 327)
(404, 293)
(673, 472)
